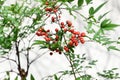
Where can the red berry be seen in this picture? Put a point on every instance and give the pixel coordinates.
(62, 23)
(43, 33)
(71, 30)
(60, 52)
(82, 40)
(59, 16)
(69, 23)
(71, 43)
(76, 43)
(65, 29)
(46, 14)
(51, 53)
(74, 40)
(48, 30)
(46, 35)
(57, 37)
(57, 50)
(73, 36)
(56, 29)
(38, 33)
(66, 48)
(76, 32)
(46, 3)
(47, 39)
(53, 19)
(83, 34)
(55, 10)
(62, 26)
(48, 9)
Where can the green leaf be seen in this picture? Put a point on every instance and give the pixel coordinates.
(55, 77)
(101, 16)
(78, 78)
(54, 46)
(70, 0)
(60, 33)
(8, 73)
(108, 42)
(113, 48)
(107, 25)
(118, 42)
(38, 42)
(88, 1)
(104, 22)
(99, 7)
(72, 50)
(91, 11)
(110, 26)
(66, 0)
(85, 77)
(114, 68)
(93, 62)
(80, 3)
(32, 77)
(16, 78)
(97, 34)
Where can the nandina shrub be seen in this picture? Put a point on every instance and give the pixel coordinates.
(61, 37)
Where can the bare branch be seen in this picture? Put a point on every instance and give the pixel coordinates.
(40, 55)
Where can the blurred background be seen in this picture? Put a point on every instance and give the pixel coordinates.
(48, 65)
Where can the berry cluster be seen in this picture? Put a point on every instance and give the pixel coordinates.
(75, 37)
(55, 9)
(52, 40)
(51, 9)
(59, 41)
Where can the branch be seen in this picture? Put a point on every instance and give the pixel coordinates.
(38, 57)
(28, 65)
(18, 55)
(7, 58)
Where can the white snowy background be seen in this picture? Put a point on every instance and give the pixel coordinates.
(48, 65)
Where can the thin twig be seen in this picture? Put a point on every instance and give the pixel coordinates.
(38, 57)
(7, 58)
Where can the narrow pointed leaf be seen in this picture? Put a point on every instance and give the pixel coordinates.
(31, 77)
(113, 48)
(88, 1)
(80, 2)
(110, 26)
(37, 42)
(99, 7)
(101, 16)
(16, 78)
